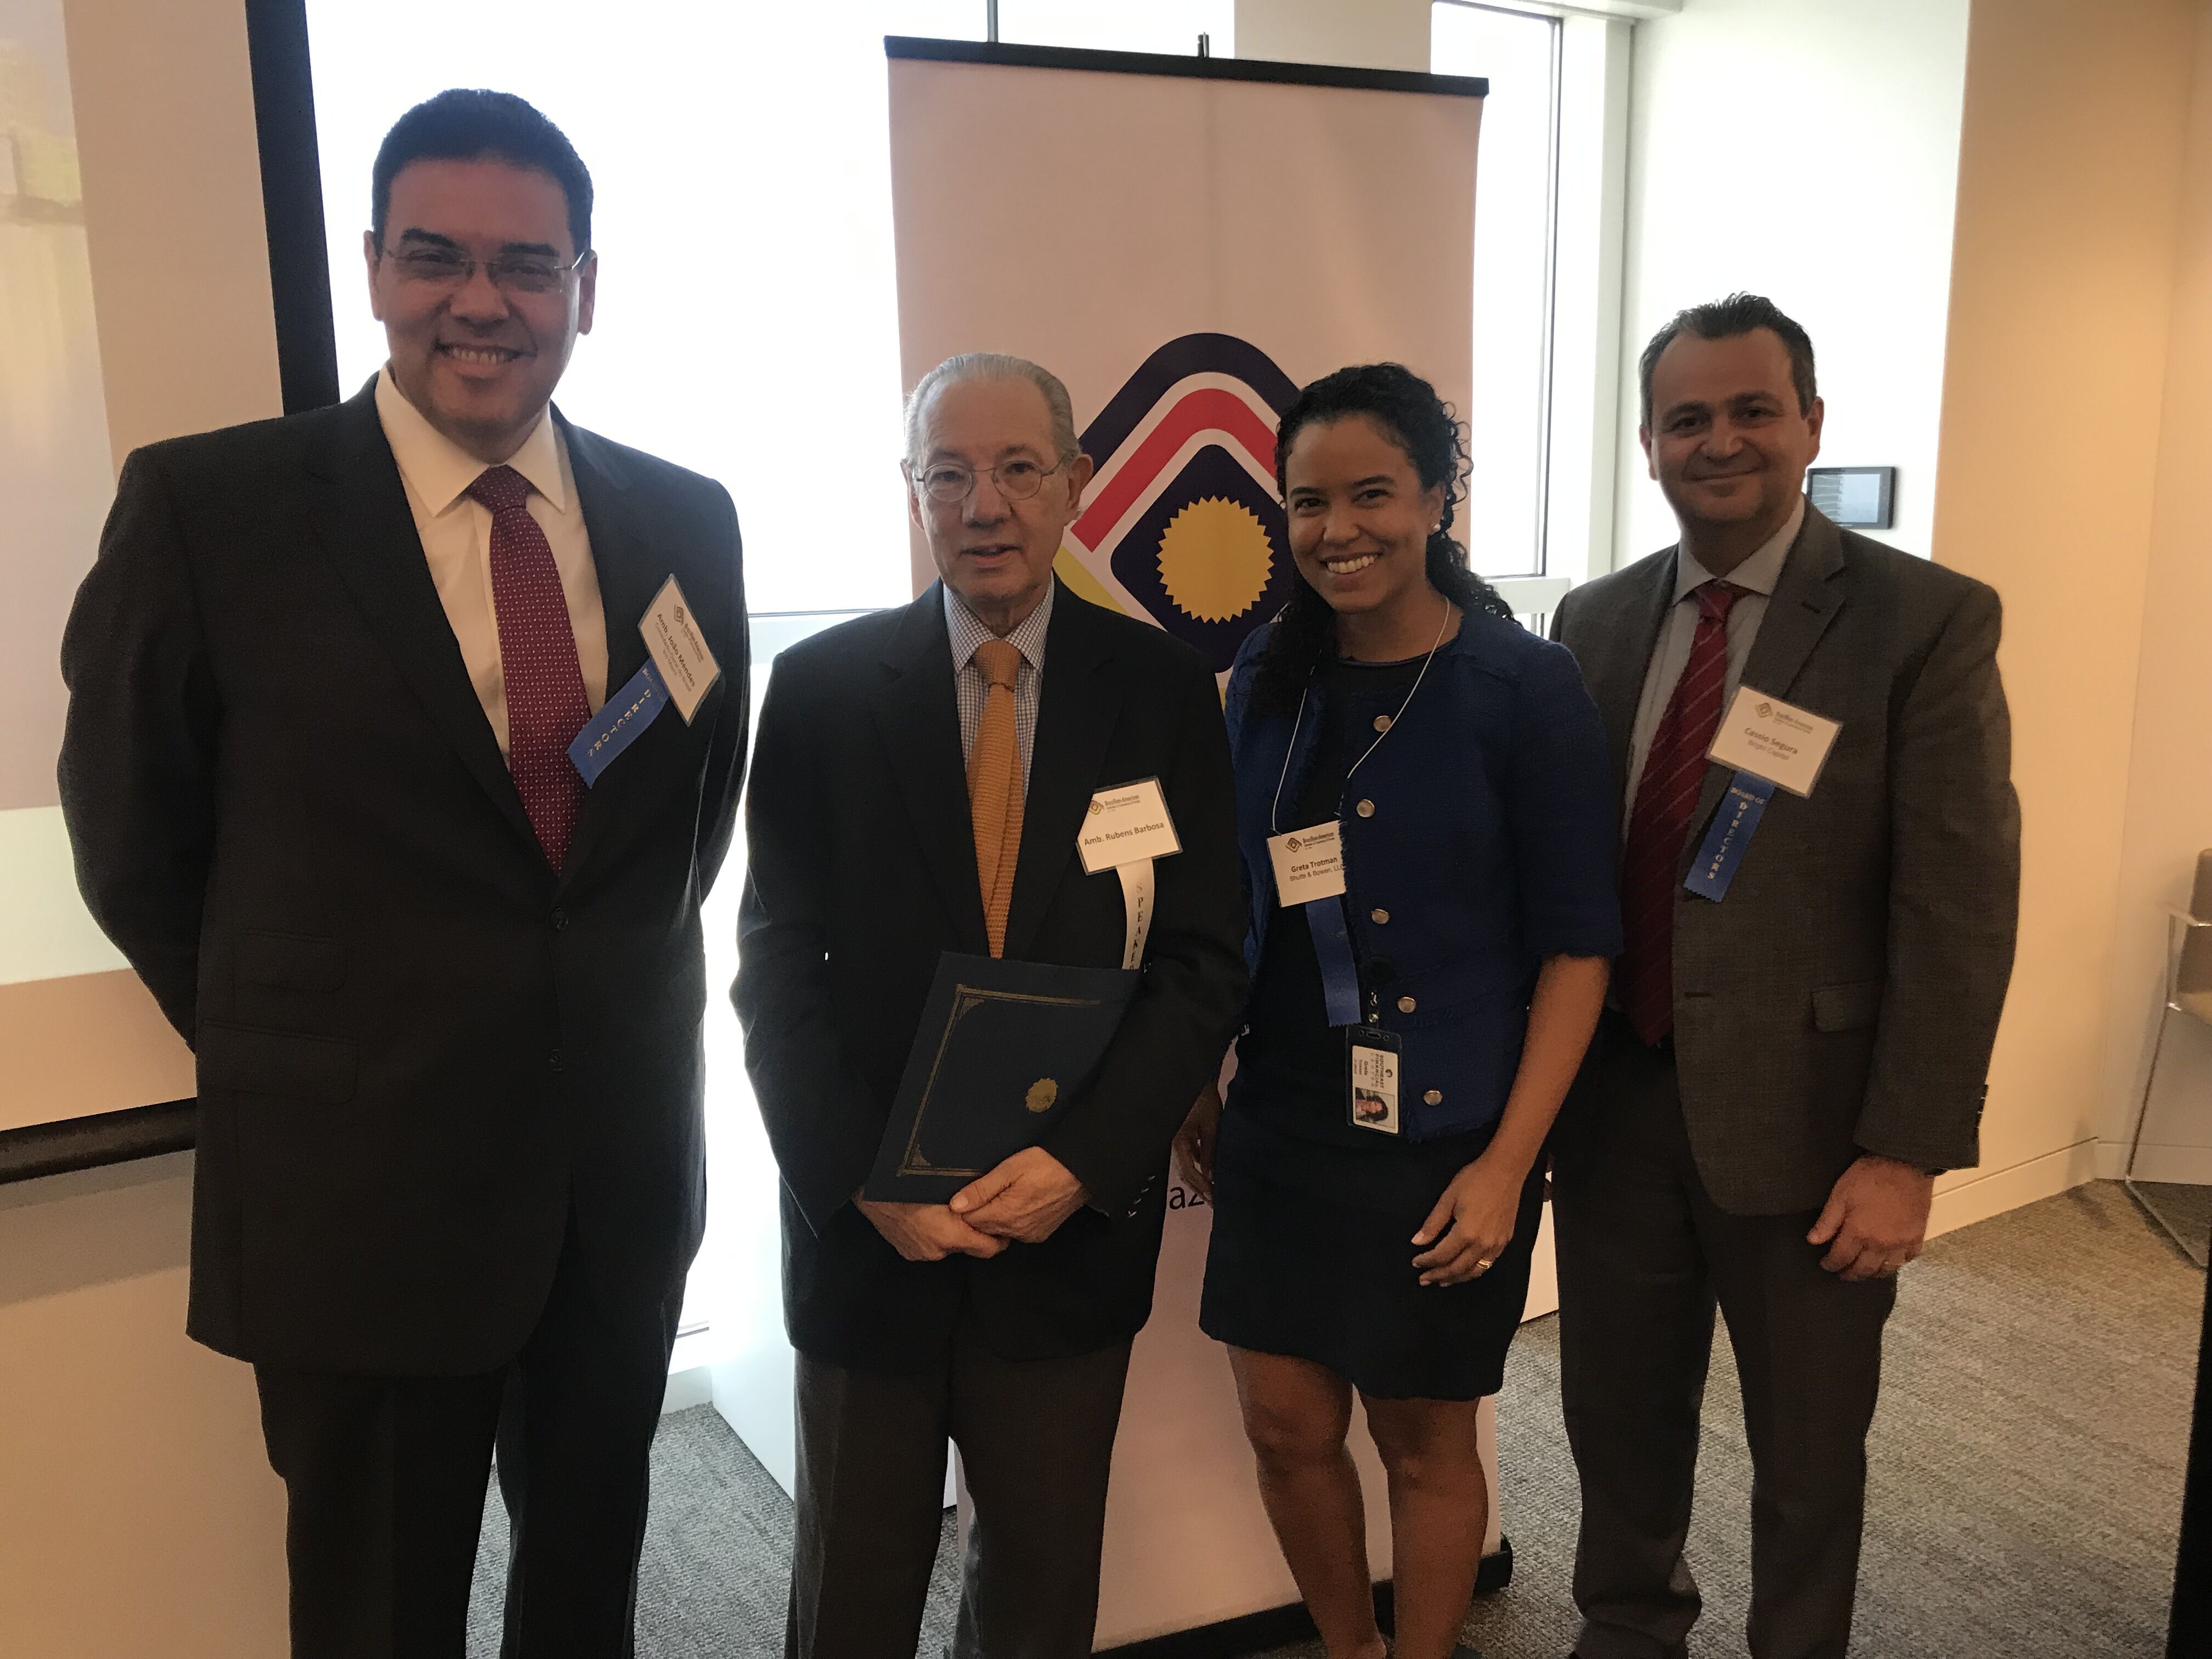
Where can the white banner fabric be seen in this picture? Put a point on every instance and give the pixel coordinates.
(1184, 253)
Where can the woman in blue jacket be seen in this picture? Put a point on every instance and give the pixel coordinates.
(1424, 808)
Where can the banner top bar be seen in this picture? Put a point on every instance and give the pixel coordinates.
(1200, 69)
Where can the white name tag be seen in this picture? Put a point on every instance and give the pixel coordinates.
(1126, 824)
(1769, 738)
(679, 651)
(1309, 863)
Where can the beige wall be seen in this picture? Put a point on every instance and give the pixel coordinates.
(138, 1515)
(2062, 274)
(2169, 788)
(1364, 33)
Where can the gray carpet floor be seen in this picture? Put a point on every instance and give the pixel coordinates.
(2025, 1495)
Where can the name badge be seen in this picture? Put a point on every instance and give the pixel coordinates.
(1374, 1080)
(679, 651)
(1309, 863)
(1769, 738)
(1126, 824)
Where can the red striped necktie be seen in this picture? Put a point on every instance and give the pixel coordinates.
(545, 701)
(1666, 799)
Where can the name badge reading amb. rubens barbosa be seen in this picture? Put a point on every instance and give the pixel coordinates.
(1124, 829)
(679, 669)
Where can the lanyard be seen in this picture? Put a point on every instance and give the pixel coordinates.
(1275, 813)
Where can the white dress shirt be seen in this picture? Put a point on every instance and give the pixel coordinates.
(456, 533)
(1670, 654)
(968, 630)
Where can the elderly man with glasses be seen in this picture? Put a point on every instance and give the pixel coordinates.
(920, 780)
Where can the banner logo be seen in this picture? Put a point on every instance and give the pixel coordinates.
(1182, 527)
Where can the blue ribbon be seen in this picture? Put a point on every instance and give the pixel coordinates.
(619, 724)
(1339, 969)
(1739, 811)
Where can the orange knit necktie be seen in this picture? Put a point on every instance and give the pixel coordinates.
(994, 788)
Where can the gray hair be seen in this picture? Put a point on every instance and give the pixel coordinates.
(993, 366)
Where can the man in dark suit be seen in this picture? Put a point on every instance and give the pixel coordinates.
(446, 1000)
(1789, 1063)
(921, 778)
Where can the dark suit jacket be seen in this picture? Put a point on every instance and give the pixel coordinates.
(418, 1049)
(862, 872)
(1845, 995)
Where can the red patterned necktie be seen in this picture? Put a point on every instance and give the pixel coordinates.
(545, 702)
(1666, 799)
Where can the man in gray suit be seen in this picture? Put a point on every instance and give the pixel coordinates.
(1804, 1011)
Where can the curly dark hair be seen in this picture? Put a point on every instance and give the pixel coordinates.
(1409, 412)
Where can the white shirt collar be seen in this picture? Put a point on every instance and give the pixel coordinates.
(968, 630)
(1756, 574)
(440, 472)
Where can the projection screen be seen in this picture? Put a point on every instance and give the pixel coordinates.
(79, 1032)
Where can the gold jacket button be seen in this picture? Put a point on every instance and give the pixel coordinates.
(1381, 722)
(1378, 917)
(1365, 809)
(1407, 1005)
(1434, 1098)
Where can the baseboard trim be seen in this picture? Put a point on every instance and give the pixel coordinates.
(1993, 1192)
(2182, 1166)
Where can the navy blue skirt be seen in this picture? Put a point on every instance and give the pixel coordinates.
(1311, 1257)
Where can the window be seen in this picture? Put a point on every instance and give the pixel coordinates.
(1547, 300)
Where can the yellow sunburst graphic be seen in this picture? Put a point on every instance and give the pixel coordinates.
(1215, 559)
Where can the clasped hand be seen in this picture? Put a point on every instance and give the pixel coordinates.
(1022, 1201)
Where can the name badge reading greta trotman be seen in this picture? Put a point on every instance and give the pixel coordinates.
(679, 651)
(1126, 824)
(1769, 738)
(1309, 863)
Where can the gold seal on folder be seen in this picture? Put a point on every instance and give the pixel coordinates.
(1041, 1095)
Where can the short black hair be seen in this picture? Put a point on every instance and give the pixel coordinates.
(1724, 319)
(467, 125)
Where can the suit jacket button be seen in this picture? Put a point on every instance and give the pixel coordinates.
(557, 1061)
(1378, 916)
(1434, 1098)
(1407, 1005)
(1365, 809)
(560, 921)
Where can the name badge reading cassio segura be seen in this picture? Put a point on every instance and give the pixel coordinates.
(1309, 863)
(1771, 739)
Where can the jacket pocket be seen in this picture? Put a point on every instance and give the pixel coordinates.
(287, 1063)
(291, 962)
(1847, 1007)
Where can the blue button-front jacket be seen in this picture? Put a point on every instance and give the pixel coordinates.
(1480, 837)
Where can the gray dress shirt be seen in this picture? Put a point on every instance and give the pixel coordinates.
(1670, 655)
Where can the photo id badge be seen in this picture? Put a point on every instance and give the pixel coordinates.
(1373, 1102)
(1309, 863)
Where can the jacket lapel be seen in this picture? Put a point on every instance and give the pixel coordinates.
(1075, 719)
(1614, 671)
(359, 514)
(918, 715)
(615, 521)
(1805, 601)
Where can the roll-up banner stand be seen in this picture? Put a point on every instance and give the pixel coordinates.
(1183, 241)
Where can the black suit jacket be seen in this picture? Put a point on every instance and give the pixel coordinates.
(862, 871)
(418, 1047)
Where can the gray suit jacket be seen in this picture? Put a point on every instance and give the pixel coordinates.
(1845, 995)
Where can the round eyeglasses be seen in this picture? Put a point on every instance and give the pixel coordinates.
(949, 483)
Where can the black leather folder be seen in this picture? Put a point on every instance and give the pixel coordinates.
(1003, 1049)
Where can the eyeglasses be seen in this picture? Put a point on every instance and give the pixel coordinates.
(949, 483)
(439, 268)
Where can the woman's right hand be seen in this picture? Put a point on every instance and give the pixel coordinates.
(1194, 1142)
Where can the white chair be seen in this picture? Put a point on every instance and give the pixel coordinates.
(2189, 992)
